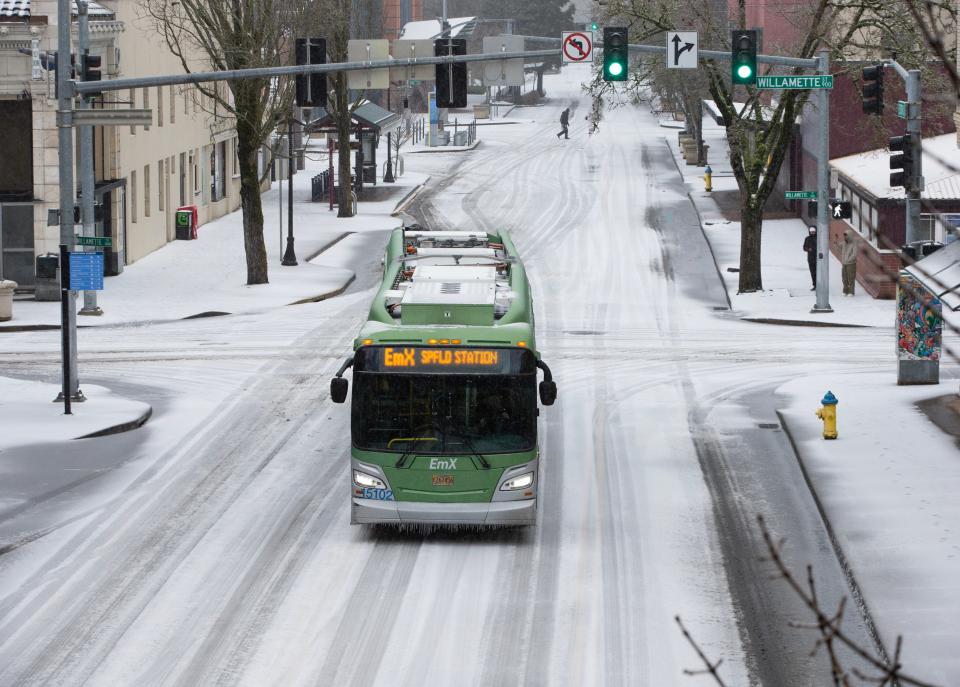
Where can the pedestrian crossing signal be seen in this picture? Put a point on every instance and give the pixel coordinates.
(615, 53)
(743, 57)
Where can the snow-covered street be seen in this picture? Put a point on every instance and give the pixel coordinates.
(212, 546)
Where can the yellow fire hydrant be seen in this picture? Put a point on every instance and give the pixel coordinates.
(828, 413)
(708, 178)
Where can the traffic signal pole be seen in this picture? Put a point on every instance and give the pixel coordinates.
(68, 310)
(914, 183)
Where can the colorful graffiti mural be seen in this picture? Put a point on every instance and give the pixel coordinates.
(919, 321)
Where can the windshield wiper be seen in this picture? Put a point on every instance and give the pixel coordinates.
(411, 442)
(473, 449)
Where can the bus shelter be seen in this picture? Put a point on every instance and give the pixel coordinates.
(368, 122)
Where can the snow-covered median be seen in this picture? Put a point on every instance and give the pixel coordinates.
(28, 413)
(888, 487)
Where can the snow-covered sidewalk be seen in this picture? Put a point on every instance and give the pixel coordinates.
(887, 486)
(187, 278)
(786, 279)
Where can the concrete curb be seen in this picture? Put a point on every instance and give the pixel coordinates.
(332, 243)
(122, 427)
(407, 199)
(328, 294)
(802, 323)
(855, 590)
(445, 149)
(33, 327)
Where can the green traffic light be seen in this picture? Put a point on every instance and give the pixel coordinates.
(594, 26)
(744, 71)
(615, 69)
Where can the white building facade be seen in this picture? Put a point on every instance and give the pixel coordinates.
(143, 174)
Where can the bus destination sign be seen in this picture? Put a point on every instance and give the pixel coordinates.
(439, 357)
(445, 360)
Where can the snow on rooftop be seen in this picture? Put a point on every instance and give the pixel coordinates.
(941, 169)
(430, 28)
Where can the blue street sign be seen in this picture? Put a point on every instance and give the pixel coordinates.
(86, 271)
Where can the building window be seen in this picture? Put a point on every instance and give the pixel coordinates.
(196, 173)
(159, 105)
(146, 190)
(183, 179)
(173, 104)
(160, 180)
(146, 105)
(133, 196)
(218, 171)
(133, 104)
(927, 229)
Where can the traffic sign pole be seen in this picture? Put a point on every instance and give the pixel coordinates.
(823, 192)
(66, 390)
(87, 182)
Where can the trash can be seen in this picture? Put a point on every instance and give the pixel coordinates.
(185, 230)
(6, 299)
(48, 278)
(920, 249)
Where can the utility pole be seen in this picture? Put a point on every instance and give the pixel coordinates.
(68, 310)
(87, 181)
(823, 193)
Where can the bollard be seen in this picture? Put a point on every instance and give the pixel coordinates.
(828, 413)
(708, 178)
(6, 299)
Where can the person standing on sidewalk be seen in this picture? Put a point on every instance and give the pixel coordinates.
(564, 123)
(849, 247)
(810, 246)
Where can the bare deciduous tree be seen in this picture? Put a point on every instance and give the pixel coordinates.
(759, 132)
(236, 34)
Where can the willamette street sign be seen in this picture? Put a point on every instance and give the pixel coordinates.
(791, 82)
(800, 195)
(100, 241)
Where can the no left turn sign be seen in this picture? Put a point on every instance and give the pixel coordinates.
(576, 46)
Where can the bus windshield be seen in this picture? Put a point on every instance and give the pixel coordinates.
(444, 413)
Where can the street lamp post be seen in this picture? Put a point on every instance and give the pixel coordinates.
(289, 256)
(388, 175)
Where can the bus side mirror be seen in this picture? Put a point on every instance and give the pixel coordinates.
(548, 392)
(338, 389)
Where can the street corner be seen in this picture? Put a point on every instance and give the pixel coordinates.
(32, 416)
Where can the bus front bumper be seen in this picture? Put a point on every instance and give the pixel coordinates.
(496, 513)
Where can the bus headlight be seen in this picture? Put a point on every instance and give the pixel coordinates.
(362, 479)
(520, 482)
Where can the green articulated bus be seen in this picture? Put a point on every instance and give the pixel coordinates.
(444, 416)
